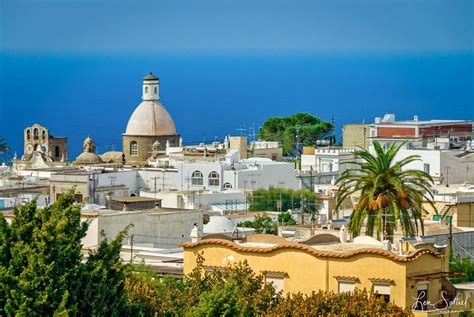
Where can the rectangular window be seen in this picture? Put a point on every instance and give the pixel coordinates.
(134, 148)
(426, 168)
(346, 286)
(382, 290)
(78, 197)
(422, 296)
(277, 281)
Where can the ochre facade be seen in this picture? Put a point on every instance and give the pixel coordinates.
(306, 269)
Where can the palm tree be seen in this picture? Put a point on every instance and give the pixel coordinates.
(389, 194)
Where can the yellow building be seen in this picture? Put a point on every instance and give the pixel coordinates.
(323, 263)
(354, 135)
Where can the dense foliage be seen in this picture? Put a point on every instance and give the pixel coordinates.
(262, 224)
(238, 291)
(235, 291)
(285, 218)
(307, 127)
(359, 303)
(390, 194)
(269, 199)
(461, 265)
(41, 268)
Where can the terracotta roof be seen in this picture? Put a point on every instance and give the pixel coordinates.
(311, 250)
(274, 273)
(346, 278)
(381, 280)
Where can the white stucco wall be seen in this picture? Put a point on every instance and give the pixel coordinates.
(92, 235)
(163, 229)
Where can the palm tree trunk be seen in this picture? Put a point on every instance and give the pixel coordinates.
(384, 224)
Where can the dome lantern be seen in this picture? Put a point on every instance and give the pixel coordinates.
(150, 88)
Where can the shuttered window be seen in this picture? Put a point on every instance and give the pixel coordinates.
(278, 282)
(346, 286)
(382, 290)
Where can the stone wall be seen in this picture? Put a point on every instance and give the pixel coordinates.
(145, 146)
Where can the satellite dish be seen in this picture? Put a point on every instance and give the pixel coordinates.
(318, 142)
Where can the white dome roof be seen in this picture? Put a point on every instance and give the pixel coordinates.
(219, 224)
(150, 118)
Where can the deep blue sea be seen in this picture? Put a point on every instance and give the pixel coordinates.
(212, 96)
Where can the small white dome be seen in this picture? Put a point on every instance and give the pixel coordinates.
(219, 224)
(150, 118)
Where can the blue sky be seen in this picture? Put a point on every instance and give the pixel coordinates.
(242, 27)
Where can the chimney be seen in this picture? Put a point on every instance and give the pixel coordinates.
(195, 234)
(343, 234)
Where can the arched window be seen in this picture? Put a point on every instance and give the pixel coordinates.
(28, 134)
(133, 148)
(156, 90)
(227, 186)
(56, 151)
(196, 178)
(36, 134)
(43, 135)
(146, 89)
(214, 179)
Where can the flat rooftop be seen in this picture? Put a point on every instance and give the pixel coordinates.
(425, 122)
(110, 212)
(133, 199)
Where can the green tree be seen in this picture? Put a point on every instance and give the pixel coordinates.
(465, 266)
(308, 128)
(262, 224)
(233, 291)
(390, 194)
(41, 269)
(286, 218)
(102, 280)
(45, 250)
(3, 145)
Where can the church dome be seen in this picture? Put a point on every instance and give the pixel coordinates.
(150, 118)
(87, 158)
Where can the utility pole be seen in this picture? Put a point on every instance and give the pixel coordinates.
(245, 194)
(467, 174)
(112, 180)
(447, 176)
(297, 128)
(450, 236)
(242, 129)
(280, 202)
(154, 181)
(302, 209)
(131, 248)
(163, 179)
